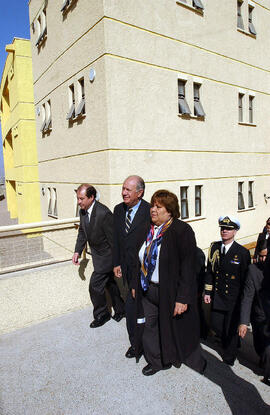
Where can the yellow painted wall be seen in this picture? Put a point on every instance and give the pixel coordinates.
(19, 133)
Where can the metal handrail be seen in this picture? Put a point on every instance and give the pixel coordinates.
(38, 224)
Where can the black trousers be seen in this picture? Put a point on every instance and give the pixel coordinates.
(97, 285)
(225, 324)
(151, 334)
(130, 318)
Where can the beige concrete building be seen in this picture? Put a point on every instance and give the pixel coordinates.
(175, 91)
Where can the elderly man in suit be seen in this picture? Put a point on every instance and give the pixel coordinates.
(96, 228)
(224, 282)
(131, 218)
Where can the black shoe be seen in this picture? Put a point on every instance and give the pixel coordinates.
(130, 353)
(118, 316)
(229, 362)
(98, 322)
(148, 370)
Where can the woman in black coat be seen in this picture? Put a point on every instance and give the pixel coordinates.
(166, 288)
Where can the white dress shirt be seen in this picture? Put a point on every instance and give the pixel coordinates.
(227, 247)
(89, 210)
(155, 275)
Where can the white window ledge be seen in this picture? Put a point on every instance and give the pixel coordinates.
(246, 210)
(246, 33)
(194, 219)
(191, 117)
(247, 124)
(188, 6)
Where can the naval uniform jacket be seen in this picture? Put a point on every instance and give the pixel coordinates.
(99, 234)
(225, 277)
(125, 244)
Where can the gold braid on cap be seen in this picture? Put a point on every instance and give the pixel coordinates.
(214, 258)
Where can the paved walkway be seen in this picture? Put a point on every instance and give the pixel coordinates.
(62, 367)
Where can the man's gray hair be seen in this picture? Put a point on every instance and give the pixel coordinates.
(140, 182)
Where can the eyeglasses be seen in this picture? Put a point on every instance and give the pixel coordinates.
(226, 228)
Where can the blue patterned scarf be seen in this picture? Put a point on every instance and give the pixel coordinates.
(151, 253)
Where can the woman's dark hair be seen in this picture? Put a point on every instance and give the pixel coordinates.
(168, 200)
(262, 244)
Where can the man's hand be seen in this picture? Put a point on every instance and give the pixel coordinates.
(117, 271)
(133, 292)
(179, 308)
(207, 299)
(242, 330)
(75, 259)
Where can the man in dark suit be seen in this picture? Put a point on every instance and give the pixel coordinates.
(131, 218)
(225, 277)
(264, 235)
(96, 228)
(253, 310)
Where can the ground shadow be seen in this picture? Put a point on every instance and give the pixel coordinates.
(241, 396)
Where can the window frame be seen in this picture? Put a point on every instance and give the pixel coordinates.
(251, 193)
(251, 26)
(182, 103)
(241, 199)
(198, 108)
(198, 199)
(184, 202)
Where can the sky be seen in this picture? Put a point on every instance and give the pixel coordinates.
(14, 22)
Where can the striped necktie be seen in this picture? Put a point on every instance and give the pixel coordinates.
(128, 220)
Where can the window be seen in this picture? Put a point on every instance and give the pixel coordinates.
(49, 196)
(250, 109)
(81, 106)
(77, 207)
(52, 202)
(240, 23)
(182, 103)
(198, 109)
(71, 97)
(184, 202)
(198, 200)
(65, 5)
(197, 4)
(43, 115)
(241, 203)
(41, 25)
(240, 107)
(251, 27)
(250, 194)
(46, 125)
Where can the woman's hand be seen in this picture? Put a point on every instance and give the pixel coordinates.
(179, 308)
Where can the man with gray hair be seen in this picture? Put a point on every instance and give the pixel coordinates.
(131, 220)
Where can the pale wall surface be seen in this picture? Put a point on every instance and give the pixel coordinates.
(139, 50)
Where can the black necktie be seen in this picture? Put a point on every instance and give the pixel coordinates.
(128, 220)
